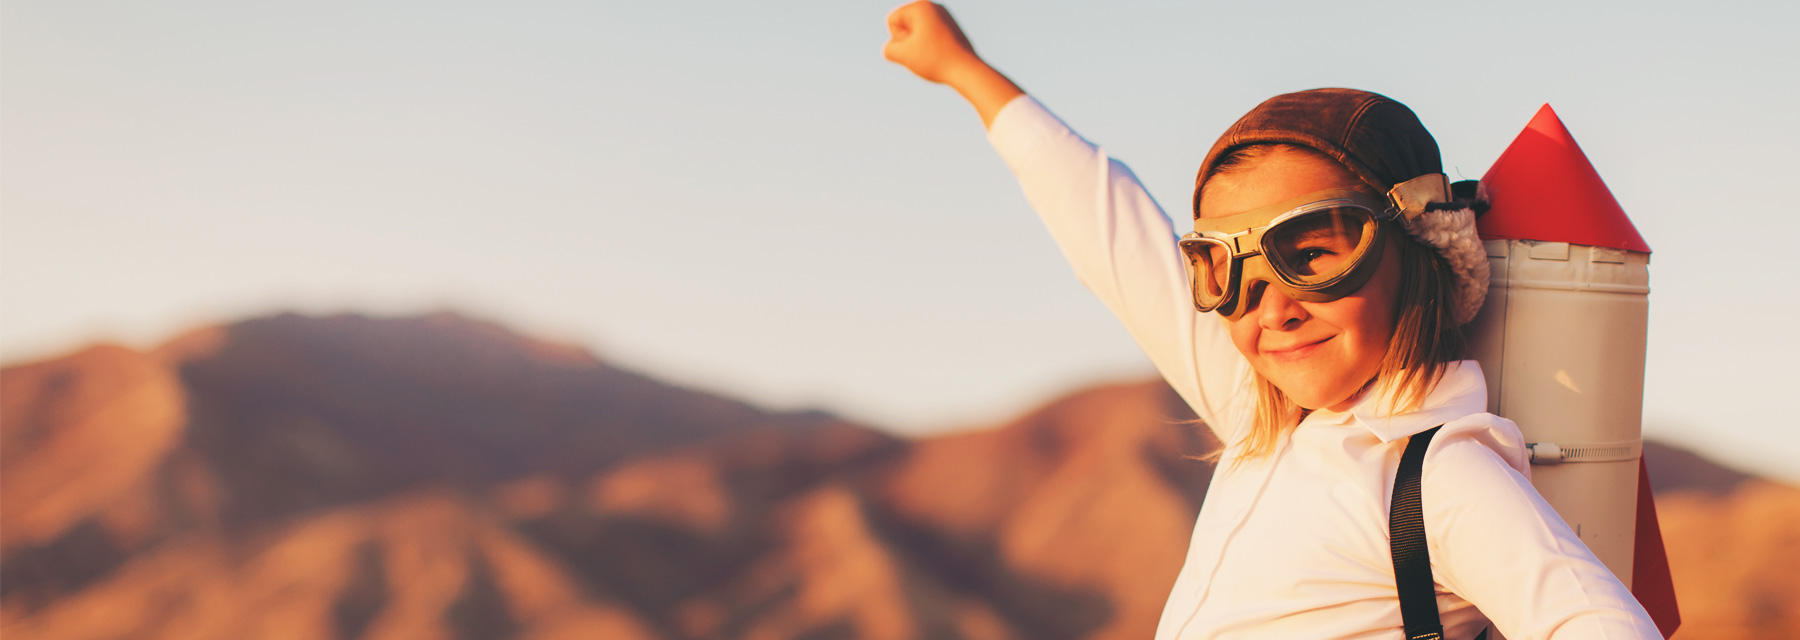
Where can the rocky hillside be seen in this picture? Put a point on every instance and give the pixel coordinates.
(435, 477)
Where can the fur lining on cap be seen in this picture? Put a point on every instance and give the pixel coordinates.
(1452, 232)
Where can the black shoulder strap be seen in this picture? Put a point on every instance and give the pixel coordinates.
(1406, 539)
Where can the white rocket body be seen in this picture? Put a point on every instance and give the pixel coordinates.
(1561, 341)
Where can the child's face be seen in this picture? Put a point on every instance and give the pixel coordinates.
(1318, 353)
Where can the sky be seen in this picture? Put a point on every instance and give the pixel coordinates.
(746, 198)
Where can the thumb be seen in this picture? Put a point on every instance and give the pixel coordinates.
(892, 51)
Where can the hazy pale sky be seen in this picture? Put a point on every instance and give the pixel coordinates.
(746, 198)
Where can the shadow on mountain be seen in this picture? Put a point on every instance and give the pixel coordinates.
(297, 413)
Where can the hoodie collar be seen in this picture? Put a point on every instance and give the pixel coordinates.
(1462, 391)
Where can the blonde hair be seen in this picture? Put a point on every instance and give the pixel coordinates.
(1426, 335)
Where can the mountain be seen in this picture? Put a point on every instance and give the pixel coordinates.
(1733, 541)
(1677, 470)
(438, 477)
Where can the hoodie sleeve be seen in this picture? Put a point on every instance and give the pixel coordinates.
(1122, 247)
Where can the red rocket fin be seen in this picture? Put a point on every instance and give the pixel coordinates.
(1543, 188)
(1650, 580)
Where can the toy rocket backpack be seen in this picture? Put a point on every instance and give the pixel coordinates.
(1561, 340)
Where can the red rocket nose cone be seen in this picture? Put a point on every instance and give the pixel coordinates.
(1543, 188)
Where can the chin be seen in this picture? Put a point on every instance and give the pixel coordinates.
(1312, 394)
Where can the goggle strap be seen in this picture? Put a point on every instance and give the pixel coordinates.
(1411, 197)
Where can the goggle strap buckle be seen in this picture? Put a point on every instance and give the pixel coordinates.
(1411, 197)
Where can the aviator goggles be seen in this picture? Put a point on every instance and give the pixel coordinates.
(1317, 248)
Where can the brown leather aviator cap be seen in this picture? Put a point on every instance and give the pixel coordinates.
(1377, 139)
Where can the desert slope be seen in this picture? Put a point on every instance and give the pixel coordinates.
(436, 477)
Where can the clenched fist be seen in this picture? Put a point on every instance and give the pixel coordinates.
(925, 39)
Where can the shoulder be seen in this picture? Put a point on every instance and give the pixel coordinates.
(1476, 489)
(1481, 438)
(1477, 479)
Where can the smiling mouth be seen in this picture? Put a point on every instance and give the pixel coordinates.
(1297, 352)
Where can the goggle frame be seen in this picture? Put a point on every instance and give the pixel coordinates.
(1252, 241)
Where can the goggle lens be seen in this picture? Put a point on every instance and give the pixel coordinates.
(1317, 247)
(1209, 270)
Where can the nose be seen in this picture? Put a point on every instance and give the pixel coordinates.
(1272, 307)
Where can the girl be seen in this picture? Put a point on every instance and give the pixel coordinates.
(1312, 320)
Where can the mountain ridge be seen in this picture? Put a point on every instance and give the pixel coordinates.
(438, 477)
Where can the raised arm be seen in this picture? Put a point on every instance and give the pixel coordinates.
(1118, 240)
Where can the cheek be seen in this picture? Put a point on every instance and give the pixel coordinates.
(1370, 321)
(1370, 312)
(1244, 333)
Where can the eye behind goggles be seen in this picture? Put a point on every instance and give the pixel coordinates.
(1318, 247)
